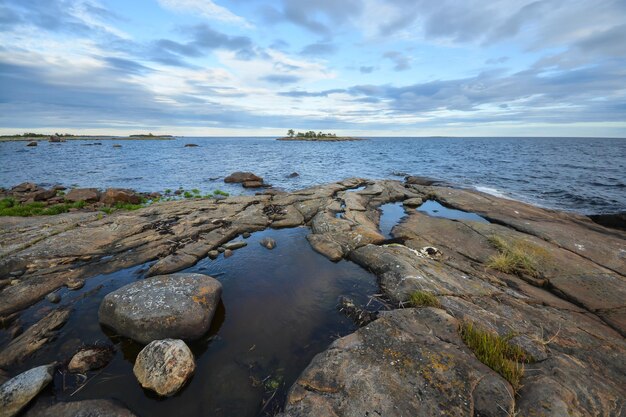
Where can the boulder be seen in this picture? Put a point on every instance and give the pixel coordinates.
(413, 202)
(90, 358)
(164, 366)
(252, 184)
(53, 297)
(237, 244)
(117, 195)
(33, 143)
(19, 391)
(228, 253)
(43, 195)
(293, 175)
(177, 306)
(90, 195)
(191, 145)
(25, 187)
(239, 177)
(84, 408)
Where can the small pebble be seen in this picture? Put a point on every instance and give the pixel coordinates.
(75, 284)
(228, 253)
(53, 297)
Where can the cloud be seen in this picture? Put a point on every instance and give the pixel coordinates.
(319, 49)
(281, 79)
(366, 69)
(494, 61)
(300, 94)
(317, 16)
(206, 8)
(401, 61)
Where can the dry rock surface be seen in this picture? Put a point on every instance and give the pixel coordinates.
(18, 391)
(169, 306)
(164, 366)
(551, 284)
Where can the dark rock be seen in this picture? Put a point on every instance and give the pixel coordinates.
(293, 175)
(246, 235)
(239, 177)
(25, 187)
(117, 195)
(117, 146)
(43, 195)
(90, 359)
(191, 145)
(252, 184)
(75, 284)
(20, 390)
(614, 221)
(268, 243)
(33, 143)
(221, 249)
(90, 195)
(164, 366)
(84, 408)
(213, 254)
(177, 306)
(415, 180)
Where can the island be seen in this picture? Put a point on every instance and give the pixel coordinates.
(312, 136)
(62, 137)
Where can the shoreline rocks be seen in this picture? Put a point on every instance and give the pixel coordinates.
(177, 306)
(17, 392)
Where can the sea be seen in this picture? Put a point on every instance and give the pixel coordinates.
(584, 175)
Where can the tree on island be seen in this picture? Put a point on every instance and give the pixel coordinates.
(310, 134)
(290, 133)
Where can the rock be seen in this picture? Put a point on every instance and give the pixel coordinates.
(293, 175)
(116, 195)
(359, 315)
(43, 195)
(33, 143)
(213, 254)
(614, 221)
(168, 306)
(415, 180)
(327, 247)
(235, 244)
(239, 177)
(172, 263)
(221, 249)
(190, 145)
(409, 362)
(90, 358)
(413, 202)
(246, 235)
(75, 284)
(228, 253)
(84, 408)
(164, 366)
(117, 146)
(252, 184)
(53, 297)
(20, 390)
(268, 243)
(89, 195)
(25, 187)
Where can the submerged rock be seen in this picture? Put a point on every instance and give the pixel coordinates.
(164, 366)
(90, 358)
(293, 175)
(33, 143)
(168, 306)
(75, 284)
(240, 177)
(19, 391)
(85, 408)
(53, 297)
(268, 243)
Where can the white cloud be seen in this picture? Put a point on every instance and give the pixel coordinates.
(207, 9)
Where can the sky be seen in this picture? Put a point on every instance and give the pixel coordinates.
(358, 67)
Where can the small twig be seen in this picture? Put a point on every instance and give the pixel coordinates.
(86, 382)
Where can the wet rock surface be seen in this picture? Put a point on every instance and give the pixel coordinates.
(164, 366)
(85, 408)
(90, 358)
(170, 306)
(566, 308)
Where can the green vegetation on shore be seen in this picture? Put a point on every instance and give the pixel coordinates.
(518, 257)
(310, 134)
(10, 207)
(423, 299)
(496, 352)
(62, 137)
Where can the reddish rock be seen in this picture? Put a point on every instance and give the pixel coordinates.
(90, 195)
(252, 184)
(239, 177)
(117, 195)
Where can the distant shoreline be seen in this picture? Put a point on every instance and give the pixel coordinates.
(322, 139)
(67, 138)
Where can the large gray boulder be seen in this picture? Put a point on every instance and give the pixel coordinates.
(177, 306)
(85, 408)
(19, 391)
(164, 366)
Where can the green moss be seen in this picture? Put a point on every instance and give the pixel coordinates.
(220, 192)
(187, 194)
(423, 299)
(496, 352)
(517, 257)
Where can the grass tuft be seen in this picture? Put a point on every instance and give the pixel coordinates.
(220, 192)
(496, 352)
(423, 299)
(9, 207)
(518, 257)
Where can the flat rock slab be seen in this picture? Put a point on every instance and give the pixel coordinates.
(177, 306)
(85, 408)
(18, 391)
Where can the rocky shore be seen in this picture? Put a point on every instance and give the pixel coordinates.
(522, 314)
